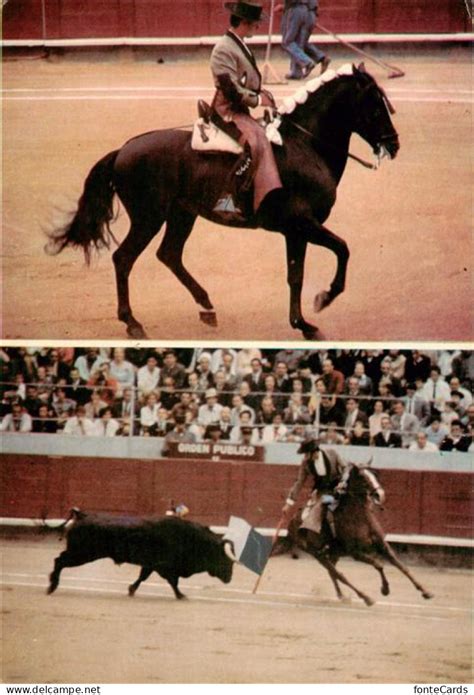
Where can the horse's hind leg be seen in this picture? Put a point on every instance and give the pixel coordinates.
(387, 551)
(179, 226)
(137, 239)
(362, 557)
(338, 576)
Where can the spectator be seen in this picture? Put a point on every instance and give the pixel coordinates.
(77, 388)
(359, 435)
(282, 380)
(178, 434)
(43, 422)
(213, 433)
(186, 403)
(163, 422)
(169, 397)
(17, 421)
(205, 375)
(148, 376)
(275, 432)
(32, 403)
(95, 406)
(266, 412)
(297, 413)
(416, 405)
(106, 425)
(330, 435)
(102, 382)
(297, 433)
(62, 407)
(291, 358)
(329, 411)
(224, 359)
(211, 411)
(149, 415)
(244, 359)
(406, 425)
(249, 436)
(225, 423)
(463, 366)
(333, 379)
(375, 420)
(124, 410)
(418, 366)
(222, 387)
(122, 370)
(387, 378)
(366, 384)
(468, 420)
(372, 360)
(436, 391)
(435, 431)
(421, 443)
(56, 367)
(397, 364)
(44, 384)
(456, 440)
(455, 385)
(79, 425)
(244, 422)
(88, 363)
(353, 414)
(387, 438)
(255, 381)
(172, 368)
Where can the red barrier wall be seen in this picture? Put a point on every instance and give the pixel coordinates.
(65, 19)
(418, 502)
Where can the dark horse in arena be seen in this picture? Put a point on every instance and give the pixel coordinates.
(355, 531)
(159, 178)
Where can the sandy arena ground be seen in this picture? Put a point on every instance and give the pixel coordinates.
(407, 225)
(292, 630)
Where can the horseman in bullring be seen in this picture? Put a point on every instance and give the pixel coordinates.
(238, 89)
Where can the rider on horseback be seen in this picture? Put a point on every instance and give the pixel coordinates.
(330, 474)
(238, 88)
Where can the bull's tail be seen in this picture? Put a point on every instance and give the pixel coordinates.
(90, 226)
(75, 514)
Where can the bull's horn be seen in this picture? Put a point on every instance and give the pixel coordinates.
(229, 552)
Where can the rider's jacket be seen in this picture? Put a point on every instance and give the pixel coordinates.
(327, 473)
(236, 76)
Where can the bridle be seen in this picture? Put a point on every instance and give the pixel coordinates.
(319, 142)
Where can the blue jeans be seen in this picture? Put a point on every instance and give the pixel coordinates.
(296, 27)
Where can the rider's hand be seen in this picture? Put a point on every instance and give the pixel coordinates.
(266, 98)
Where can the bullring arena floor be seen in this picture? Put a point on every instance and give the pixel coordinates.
(292, 631)
(407, 225)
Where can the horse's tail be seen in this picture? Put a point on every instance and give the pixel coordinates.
(90, 226)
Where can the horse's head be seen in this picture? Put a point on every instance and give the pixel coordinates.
(363, 481)
(373, 112)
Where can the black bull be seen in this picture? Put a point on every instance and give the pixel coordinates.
(170, 546)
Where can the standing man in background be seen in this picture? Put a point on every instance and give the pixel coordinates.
(297, 24)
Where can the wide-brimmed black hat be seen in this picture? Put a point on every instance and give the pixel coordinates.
(251, 11)
(308, 446)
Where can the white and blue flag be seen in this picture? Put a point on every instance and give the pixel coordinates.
(250, 547)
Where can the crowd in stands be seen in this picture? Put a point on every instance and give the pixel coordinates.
(418, 400)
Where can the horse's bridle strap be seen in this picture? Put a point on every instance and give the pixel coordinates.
(298, 126)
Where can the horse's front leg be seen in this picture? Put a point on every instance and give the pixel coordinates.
(321, 236)
(295, 255)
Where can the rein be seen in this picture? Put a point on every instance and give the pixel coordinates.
(363, 162)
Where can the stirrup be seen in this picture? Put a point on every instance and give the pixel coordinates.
(226, 204)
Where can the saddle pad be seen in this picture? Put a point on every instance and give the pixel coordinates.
(208, 138)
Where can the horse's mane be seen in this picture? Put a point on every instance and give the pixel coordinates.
(301, 95)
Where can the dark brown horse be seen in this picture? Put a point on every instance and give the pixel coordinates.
(159, 178)
(358, 534)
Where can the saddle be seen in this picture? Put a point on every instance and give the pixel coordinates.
(212, 134)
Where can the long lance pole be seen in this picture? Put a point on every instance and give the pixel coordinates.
(280, 525)
(394, 71)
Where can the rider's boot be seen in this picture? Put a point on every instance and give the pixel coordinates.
(234, 203)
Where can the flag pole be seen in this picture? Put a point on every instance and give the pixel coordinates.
(280, 524)
(267, 67)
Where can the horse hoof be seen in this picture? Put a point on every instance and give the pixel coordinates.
(312, 333)
(368, 601)
(427, 594)
(131, 591)
(136, 331)
(209, 318)
(385, 591)
(321, 301)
